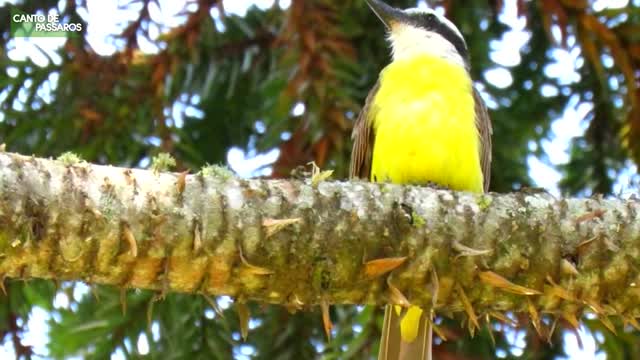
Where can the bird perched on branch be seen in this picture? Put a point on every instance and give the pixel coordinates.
(423, 123)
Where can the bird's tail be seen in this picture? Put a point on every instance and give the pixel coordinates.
(406, 335)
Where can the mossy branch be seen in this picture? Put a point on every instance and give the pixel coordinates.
(298, 243)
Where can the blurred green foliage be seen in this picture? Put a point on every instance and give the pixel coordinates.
(221, 80)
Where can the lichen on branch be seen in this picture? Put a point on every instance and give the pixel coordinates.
(300, 243)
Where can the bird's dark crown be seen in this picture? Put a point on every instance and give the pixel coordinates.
(425, 19)
(430, 21)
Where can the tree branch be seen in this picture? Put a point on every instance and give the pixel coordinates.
(291, 243)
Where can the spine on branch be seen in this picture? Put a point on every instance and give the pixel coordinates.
(296, 243)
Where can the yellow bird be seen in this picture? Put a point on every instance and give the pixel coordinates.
(423, 123)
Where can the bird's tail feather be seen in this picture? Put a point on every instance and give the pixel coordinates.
(392, 347)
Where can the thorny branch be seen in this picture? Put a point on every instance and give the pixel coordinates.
(301, 243)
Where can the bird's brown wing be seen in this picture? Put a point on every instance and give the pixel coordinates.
(363, 136)
(483, 122)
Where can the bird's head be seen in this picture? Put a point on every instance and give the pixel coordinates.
(418, 31)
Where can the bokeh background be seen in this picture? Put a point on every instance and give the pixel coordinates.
(266, 86)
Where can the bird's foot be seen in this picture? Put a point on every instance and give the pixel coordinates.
(436, 186)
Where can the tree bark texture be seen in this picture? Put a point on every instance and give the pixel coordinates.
(299, 243)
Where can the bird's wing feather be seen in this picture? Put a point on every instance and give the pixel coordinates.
(483, 123)
(363, 136)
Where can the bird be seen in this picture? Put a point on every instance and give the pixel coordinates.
(423, 123)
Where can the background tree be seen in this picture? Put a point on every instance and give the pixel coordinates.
(289, 79)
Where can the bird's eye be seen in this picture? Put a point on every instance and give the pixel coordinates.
(429, 18)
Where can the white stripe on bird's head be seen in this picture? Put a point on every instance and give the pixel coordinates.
(442, 19)
(423, 31)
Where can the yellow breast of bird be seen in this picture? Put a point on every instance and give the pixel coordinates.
(424, 121)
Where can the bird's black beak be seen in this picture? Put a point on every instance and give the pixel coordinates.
(389, 15)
